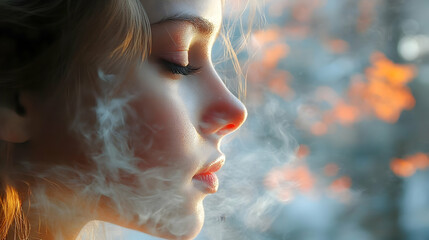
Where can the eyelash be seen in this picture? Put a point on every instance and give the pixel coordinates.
(177, 69)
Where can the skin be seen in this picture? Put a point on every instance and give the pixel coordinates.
(185, 117)
(194, 111)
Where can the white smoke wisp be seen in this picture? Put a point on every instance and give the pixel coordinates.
(244, 208)
(150, 197)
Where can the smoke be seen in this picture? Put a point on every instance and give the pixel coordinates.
(150, 198)
(244, 208)
(147, 198)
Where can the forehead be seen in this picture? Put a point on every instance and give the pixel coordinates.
(158, 10)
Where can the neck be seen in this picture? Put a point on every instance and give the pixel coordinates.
(55, 215)
(61, 231)
(52, 209)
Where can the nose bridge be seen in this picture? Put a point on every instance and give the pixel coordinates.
(224, 113)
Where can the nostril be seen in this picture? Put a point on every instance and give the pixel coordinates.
(226, 129)
(222, 116)
(213, 122)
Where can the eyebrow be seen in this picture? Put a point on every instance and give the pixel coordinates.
(203, 25)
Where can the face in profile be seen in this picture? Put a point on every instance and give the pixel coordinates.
(145, 151)
(182, 110)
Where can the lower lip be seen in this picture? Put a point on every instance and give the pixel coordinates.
(207, 182)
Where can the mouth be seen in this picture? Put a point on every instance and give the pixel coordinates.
(206, 179)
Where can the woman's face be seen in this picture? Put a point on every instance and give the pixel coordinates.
(182, 107)
(176, 110)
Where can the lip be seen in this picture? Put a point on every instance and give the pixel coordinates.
(213, 166)
(206, 179)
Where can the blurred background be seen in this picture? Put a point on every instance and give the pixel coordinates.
(337, 140)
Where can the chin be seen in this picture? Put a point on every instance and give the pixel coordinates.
(170, 209)
(189, 232)
(182, 226)
(178, 224)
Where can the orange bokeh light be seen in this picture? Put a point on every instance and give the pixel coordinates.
(402, 168)
(302, 151)
(386, 91)
(395, 74)
(345, 114)
(273, 55)
(301, 176)
(408, 166)
(341, 184)
(419, 160)
(288, 180)
(264, 37)
(384, 94)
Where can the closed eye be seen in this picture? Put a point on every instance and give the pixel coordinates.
(178, 69)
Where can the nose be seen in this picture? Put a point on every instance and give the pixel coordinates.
(223, 114)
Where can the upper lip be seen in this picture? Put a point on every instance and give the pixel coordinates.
(213, 166)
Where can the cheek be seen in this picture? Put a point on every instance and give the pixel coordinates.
(165, 135)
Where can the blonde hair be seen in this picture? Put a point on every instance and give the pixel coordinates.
(233, 27)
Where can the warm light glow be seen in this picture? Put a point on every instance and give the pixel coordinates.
(270, 49)
(341, 184)
(382, 92)
(12, 214)
(303, 151)
(386, 91)
(302, 176)
(396, 74)
(408, 166)
(402, 168)
(287, 180)
(345, 114)
(419, 160)
(274, 54)
(264, 37)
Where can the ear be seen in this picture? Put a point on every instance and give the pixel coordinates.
(14, 120)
